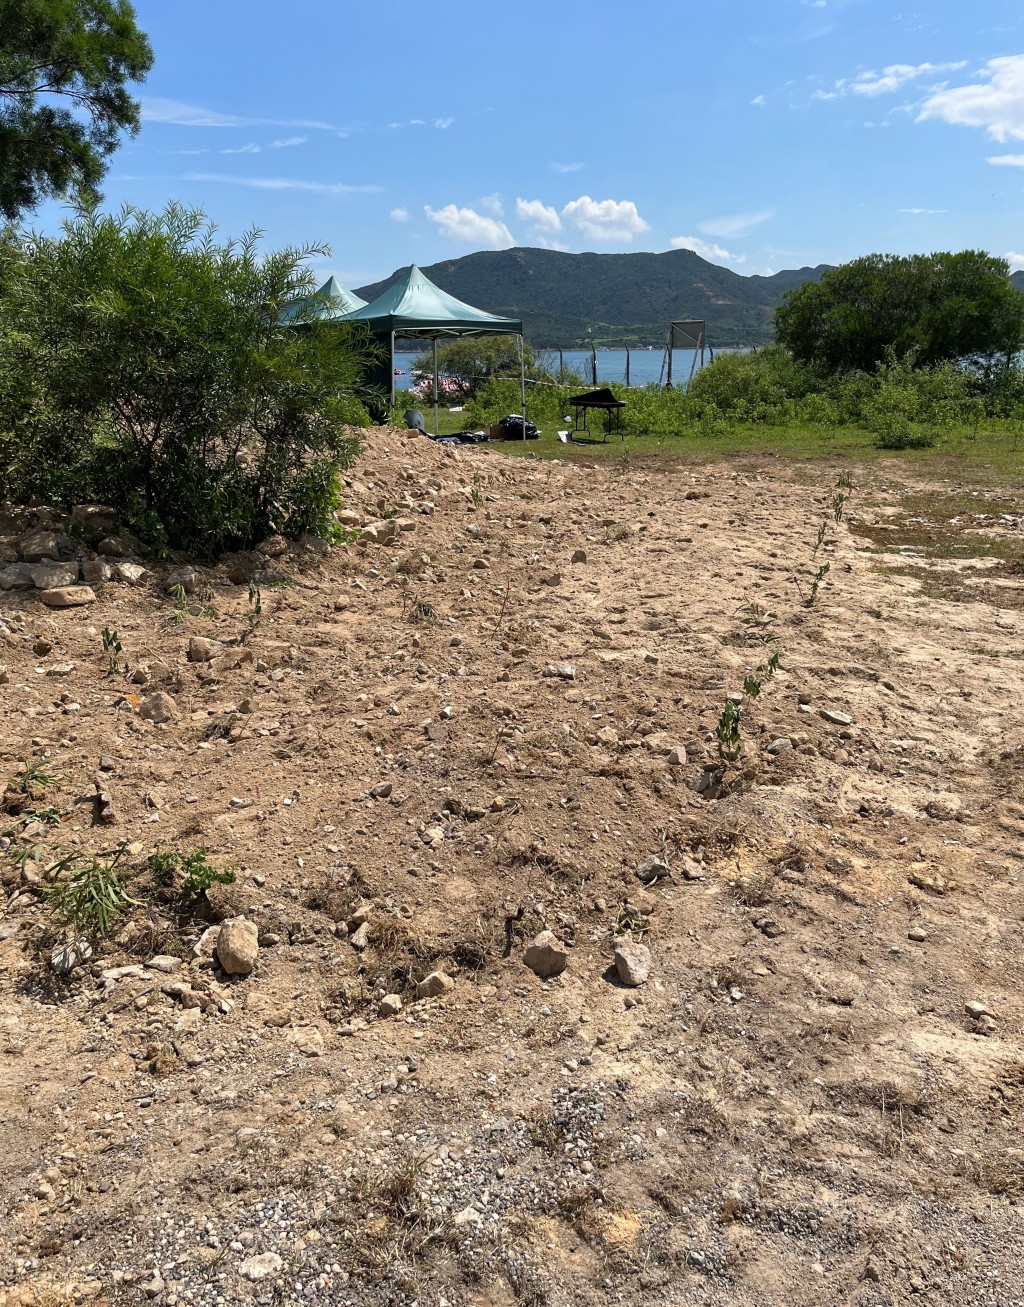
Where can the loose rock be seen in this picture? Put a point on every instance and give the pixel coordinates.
(37, 546)
(98, 518)
(260, 1265)
(53, 576)
(186, 577)
(238, 946)
(632, 961)
(433, 984)
(71, 596)
(201, 650)
(545, 956)
(158, 707)
(652, 870)
(95, 571)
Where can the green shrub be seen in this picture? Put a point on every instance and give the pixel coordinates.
(760, 386)
(143, 364)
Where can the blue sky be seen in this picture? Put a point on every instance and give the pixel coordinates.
(765, 134)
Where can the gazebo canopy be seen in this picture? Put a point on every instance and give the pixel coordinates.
(332, 303)
(414, 306)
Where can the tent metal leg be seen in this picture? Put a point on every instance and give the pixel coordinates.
(392, 369)
(522, 381)
(435, 386)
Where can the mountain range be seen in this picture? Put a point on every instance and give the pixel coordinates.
(574, 300)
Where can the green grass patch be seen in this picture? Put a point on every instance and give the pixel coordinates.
(986, 455)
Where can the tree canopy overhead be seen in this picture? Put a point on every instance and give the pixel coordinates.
(64, 69)
(938, 307)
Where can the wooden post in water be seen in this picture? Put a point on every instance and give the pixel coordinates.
(561, 366)
(627, 367)
(593, 364)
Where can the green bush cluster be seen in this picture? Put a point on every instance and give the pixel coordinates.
(143, 364)
(903, 404)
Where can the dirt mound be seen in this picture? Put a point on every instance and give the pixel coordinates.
(489, 713)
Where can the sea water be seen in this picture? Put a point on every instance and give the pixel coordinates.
(646, 366)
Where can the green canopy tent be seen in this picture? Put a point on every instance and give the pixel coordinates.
(415, 307)
(331, 303)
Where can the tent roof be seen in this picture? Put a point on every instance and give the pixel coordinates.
(415, 306)
(342, 303)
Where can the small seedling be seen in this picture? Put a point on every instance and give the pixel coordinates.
(34, 779)
(819, 576)
(199, 875)
(113, 648)
(844, 481)
(758, 622)
(822, 533)
(183, 606)
(751, 685)
(838, 502)
(475, 493)
(730, 743)
(91, 896)
(180, 602)
(254, 614)
(423, 612)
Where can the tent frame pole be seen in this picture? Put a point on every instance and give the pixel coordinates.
(392, 370)
(522, 379)
(435, 386)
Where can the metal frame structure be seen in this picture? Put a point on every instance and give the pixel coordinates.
(685, 333)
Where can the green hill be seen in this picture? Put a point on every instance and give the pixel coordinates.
(613, 299)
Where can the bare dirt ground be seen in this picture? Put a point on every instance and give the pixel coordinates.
(462, 738)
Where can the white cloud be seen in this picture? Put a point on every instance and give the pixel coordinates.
(1006, 160)
(180, 114)
(758, 100)
(546, 243)
(283, 184)
(468, 225)
(540, 215)
(442, 123)
(996, 103)
(288, 141)
(177, 113)
(736, 224)
(605, 220)
(706, 249)
(1016, 261)
(893, 76)
(566, 167)
(399, 215)
(920, 211)
(814, 4)
(492, 203)
(243, 149)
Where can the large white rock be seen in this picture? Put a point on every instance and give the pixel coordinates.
(238, 946)
(67, 596)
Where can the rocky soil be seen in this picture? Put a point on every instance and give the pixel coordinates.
(518, 994)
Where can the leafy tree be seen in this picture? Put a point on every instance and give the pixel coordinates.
(471, 361)
(144, 365)
(64, 65)
(939, 306)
